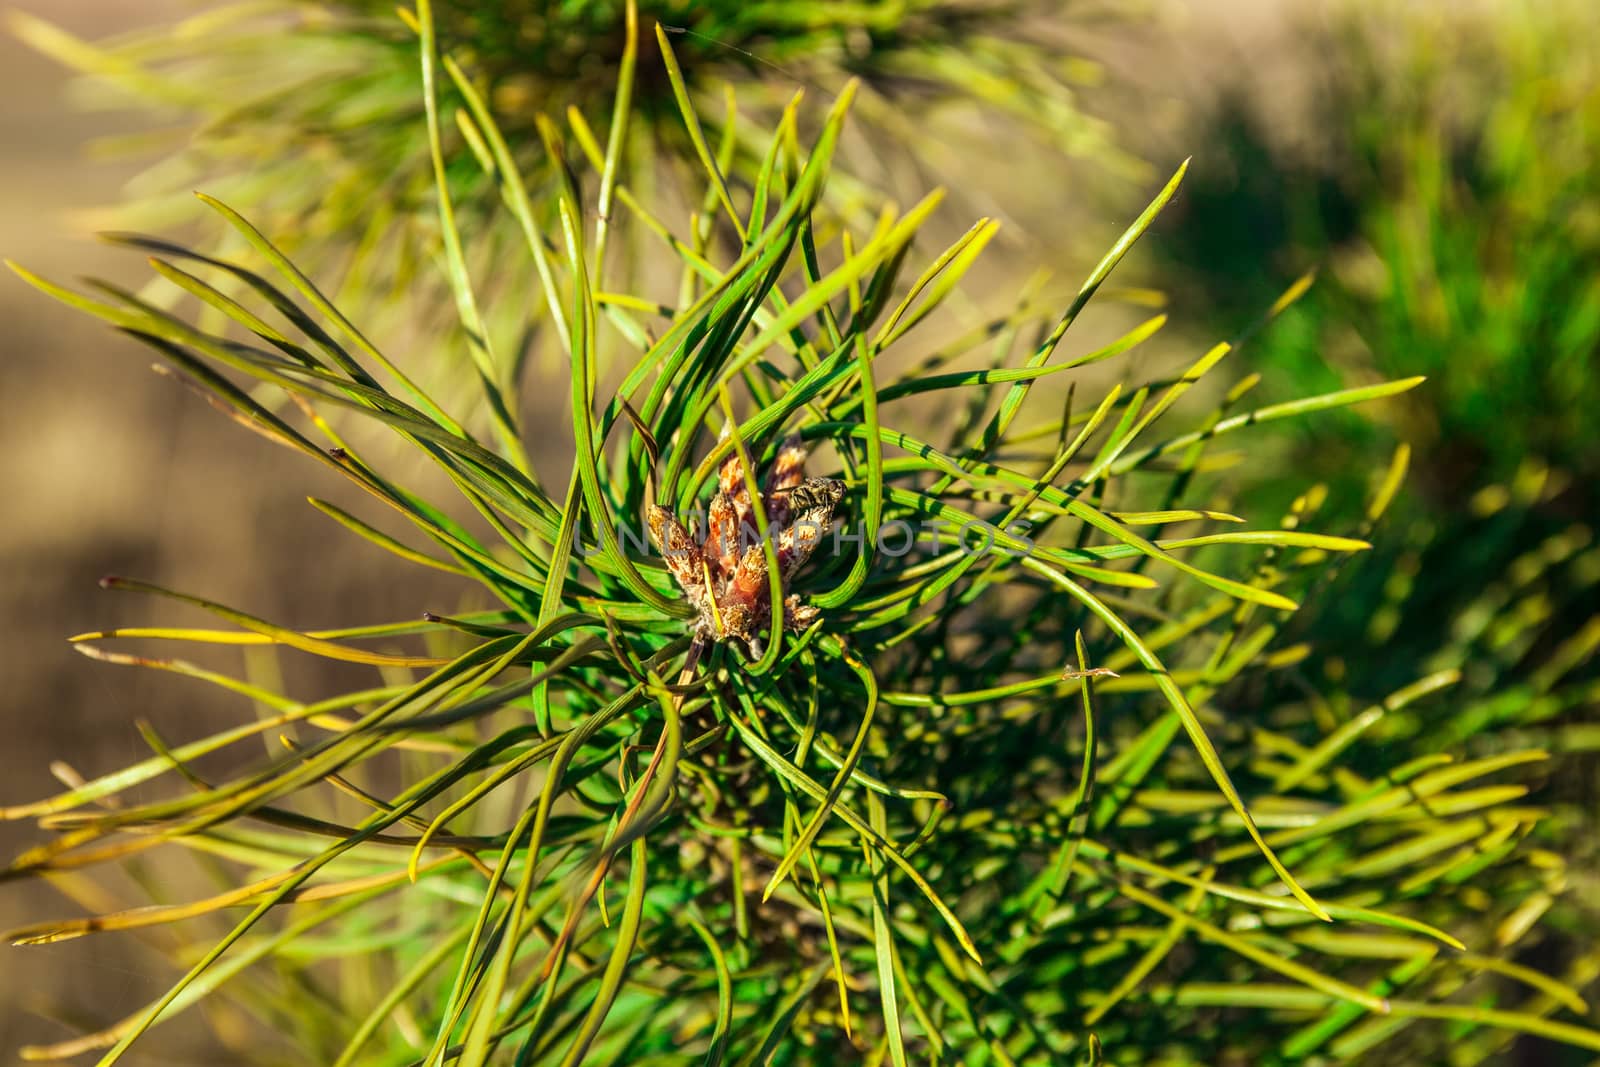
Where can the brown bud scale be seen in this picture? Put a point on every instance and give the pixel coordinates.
(723, 575)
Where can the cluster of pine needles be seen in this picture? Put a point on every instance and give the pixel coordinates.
(1054, 798)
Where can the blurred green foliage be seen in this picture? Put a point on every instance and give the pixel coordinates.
(308, 116)
(1444, 182)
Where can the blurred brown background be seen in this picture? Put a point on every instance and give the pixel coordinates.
(94, 452)
(110, 469)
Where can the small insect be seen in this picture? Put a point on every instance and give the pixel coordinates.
(724, 575)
